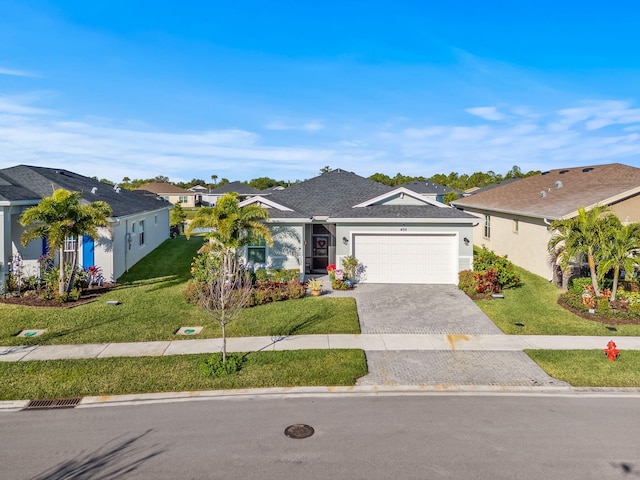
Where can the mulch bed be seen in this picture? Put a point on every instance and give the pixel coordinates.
(596, 318)
(88, 295)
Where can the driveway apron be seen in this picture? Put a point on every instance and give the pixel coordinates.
(436, 309)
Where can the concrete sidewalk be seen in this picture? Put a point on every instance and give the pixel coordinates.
(367, 342)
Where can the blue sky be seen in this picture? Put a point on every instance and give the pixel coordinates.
(247, 89)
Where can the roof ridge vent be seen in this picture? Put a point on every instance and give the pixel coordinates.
(563, 171)
(588, 169)
(545, 173)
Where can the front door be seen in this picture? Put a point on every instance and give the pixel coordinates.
(320, 254)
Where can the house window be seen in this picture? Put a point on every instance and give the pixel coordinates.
(69, 249)
(257, 253)
(141, 232)
(133, 227)
(184, 199)
(487, 226)
(516, 226)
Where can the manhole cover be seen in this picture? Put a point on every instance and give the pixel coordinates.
(299, 430)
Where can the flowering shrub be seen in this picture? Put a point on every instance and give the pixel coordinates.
(506, 277)
(331, 270)
(487, 282)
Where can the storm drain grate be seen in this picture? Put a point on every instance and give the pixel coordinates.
(50, 403)
(299, 430)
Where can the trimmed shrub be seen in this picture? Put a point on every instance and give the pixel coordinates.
(213, 366)
(467, 282)
(578, 285)
(506, 276)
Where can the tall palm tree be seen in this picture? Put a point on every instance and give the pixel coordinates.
(620, 251)
(582, 235)
(62, 216)
(233, 226)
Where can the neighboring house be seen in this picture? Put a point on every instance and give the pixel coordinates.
(139, 224)
(199, 190)
(244, 191)
(513, 218)
(397, 235)
(171, 193)
(431, 190)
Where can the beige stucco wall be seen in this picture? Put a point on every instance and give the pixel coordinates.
(527, 248)
(628, 211)
(191, 199)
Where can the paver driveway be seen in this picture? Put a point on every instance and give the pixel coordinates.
(436, 309)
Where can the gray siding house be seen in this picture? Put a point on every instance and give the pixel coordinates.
(139, 224)
(398, 235)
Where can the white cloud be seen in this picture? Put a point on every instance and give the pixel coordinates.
(15, 73)
(102, 147)
(488, 113)
(313, 126)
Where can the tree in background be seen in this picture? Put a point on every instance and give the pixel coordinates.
(233, 226)
(450, 197)
(62, 216)
(177, 216)
(263, 183)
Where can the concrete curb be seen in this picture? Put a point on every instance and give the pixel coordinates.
(310, 392)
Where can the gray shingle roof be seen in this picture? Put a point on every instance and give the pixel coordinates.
(40, 182)
(328, 193)
(403, 211)
(333, 194)
(426, 187)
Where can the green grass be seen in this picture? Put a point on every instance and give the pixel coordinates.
(590, 368)
(153, 308)
(535, 306)
(114, 376)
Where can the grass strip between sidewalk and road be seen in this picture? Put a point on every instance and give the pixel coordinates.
(533, 310)
(590, 368)
(117, 376)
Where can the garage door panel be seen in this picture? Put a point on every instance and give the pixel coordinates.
(388, 258)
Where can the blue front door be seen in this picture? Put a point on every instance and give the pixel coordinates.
(88, 259)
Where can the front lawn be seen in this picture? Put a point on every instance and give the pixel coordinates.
(533, 310)
(115, 376)
(590, 368)
(153, 308)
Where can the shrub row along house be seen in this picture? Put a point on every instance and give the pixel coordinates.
(139, 223)
(398, 235)
(514, 218)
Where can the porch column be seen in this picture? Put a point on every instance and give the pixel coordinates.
(5, 246)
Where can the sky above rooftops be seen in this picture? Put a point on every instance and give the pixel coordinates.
(283, 88)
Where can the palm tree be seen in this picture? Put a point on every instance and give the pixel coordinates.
(62, 216)
(581, 235)
(233, 226)
(620, 251)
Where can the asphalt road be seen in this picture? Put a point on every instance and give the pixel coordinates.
(373, 437)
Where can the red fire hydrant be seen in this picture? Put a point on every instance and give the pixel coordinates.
(611, 352)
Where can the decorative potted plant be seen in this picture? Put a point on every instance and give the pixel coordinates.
(315, 286)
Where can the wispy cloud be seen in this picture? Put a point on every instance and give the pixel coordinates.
(488, 113)
(15, 73)
(108, 149)
(312, 126)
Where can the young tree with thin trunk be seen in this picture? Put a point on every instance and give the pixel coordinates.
(226, 288)
(62, 216)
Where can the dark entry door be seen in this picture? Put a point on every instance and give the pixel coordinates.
(320, 253)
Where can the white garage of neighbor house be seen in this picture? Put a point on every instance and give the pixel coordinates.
(139, 224)
(397, 235)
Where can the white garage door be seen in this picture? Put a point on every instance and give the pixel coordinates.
(431, 259)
